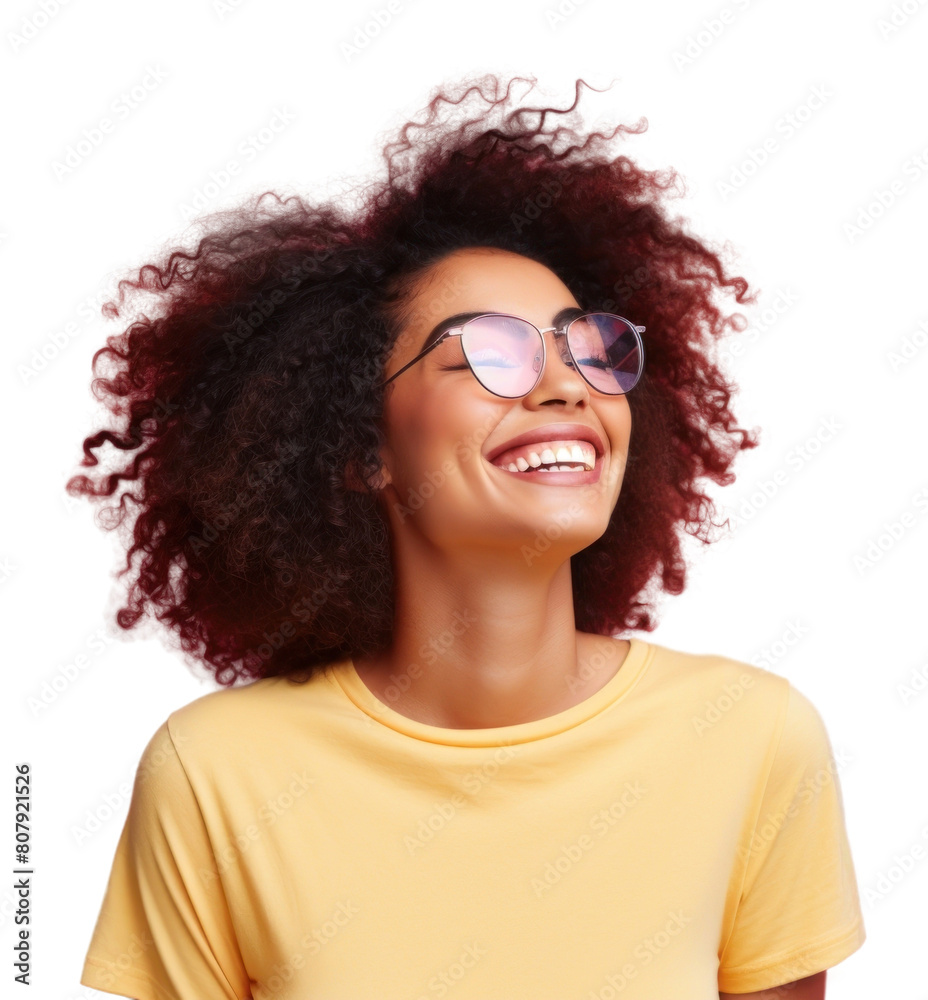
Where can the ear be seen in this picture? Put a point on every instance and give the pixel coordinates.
(380, 479)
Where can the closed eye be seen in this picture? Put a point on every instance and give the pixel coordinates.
(493, 358)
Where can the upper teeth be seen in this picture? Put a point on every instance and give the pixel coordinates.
(576, 454)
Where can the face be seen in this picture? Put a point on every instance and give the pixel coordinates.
(450, 442)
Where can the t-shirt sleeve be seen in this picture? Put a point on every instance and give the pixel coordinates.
(799, 908)
(164, 931)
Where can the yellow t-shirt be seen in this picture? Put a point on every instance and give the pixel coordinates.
(678, 833)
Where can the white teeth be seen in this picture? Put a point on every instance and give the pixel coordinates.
(553, 468)
(565, 459)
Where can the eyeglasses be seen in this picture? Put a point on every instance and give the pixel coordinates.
(507, 354)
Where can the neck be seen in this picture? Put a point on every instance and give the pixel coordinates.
(480, 641)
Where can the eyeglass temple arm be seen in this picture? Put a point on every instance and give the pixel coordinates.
(422, 354)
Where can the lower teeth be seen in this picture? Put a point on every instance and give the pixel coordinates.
(558, 468)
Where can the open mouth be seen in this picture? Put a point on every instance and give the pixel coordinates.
(548, 457)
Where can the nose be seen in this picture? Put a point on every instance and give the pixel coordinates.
(559, 377)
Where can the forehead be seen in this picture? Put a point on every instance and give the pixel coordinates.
(484, 279)
(474, 280)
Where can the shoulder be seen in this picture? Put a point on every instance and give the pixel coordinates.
(755, 702)
(715, 687)
(229, 709)
(718, 676)
(233, 725)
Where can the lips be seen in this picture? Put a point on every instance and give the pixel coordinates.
(550, 432)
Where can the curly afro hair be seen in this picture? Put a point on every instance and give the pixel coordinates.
(254, 386)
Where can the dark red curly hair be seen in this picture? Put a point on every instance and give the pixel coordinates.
(255, 384)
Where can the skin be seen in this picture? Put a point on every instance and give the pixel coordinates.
(809, 988)
(459, 549)
(520, 656)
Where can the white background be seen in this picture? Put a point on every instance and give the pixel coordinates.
(842, 289)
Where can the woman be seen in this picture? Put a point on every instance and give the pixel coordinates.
(408, 475)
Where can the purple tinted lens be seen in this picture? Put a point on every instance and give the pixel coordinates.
(504, 353)
(607, 350)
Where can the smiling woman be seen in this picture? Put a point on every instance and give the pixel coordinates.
(406, 479)
(452, 551)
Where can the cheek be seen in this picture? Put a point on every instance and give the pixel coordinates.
(442, 431)
(420, 434)
(619, 423)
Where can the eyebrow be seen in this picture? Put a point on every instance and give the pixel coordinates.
(460, 318)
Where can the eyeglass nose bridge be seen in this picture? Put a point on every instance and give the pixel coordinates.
(560, 342)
